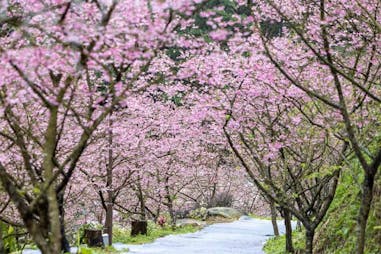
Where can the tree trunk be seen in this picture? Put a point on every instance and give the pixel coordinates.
(273, 219)
(298, 226)
(143, 215)
(310, 233)
(172, 214)
(65, 246)
(42, 243)
(109, 221)
(43, 222)
(48, 223)
(170, 204)
(40, 234)
(157, 213)
(2, 250)
(288, 226)
(55, 224)
(52, 217)
(366, 202)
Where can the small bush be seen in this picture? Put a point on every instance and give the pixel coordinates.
(14, 239)
(120, 234)
(199, 213)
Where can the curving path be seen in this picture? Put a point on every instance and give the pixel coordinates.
(245, 236)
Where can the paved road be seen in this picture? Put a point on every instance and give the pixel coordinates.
(245, 236)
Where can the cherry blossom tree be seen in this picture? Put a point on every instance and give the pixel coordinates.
(327, 49)
(287, 148)
(57, 59)
(340, 39)
(168, 104)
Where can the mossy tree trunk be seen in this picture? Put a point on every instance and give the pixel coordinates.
(310, 233)
(288, 226)
(2, 250)
(365, 205)
(273, 218)
(65, 246)
(169, 203)
(53, 221)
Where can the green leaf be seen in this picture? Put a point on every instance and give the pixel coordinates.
(36, 190)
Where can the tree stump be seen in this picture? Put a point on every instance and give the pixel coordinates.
(138, 227)
(93, 238)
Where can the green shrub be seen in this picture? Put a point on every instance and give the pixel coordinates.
(11, 238)
(199, 213)
(120, 234)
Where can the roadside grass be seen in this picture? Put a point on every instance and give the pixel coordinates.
(262, 217)
(122, 235)
(154, 231)
(106, 250)
(276, 245)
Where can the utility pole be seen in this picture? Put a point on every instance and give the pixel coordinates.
(109, 187)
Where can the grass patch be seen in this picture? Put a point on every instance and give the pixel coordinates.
(153, 232)
(106, 250)
(339, 226)
(276, 245)
(262, 217)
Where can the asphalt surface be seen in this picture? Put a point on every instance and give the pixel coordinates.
(244, 236)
